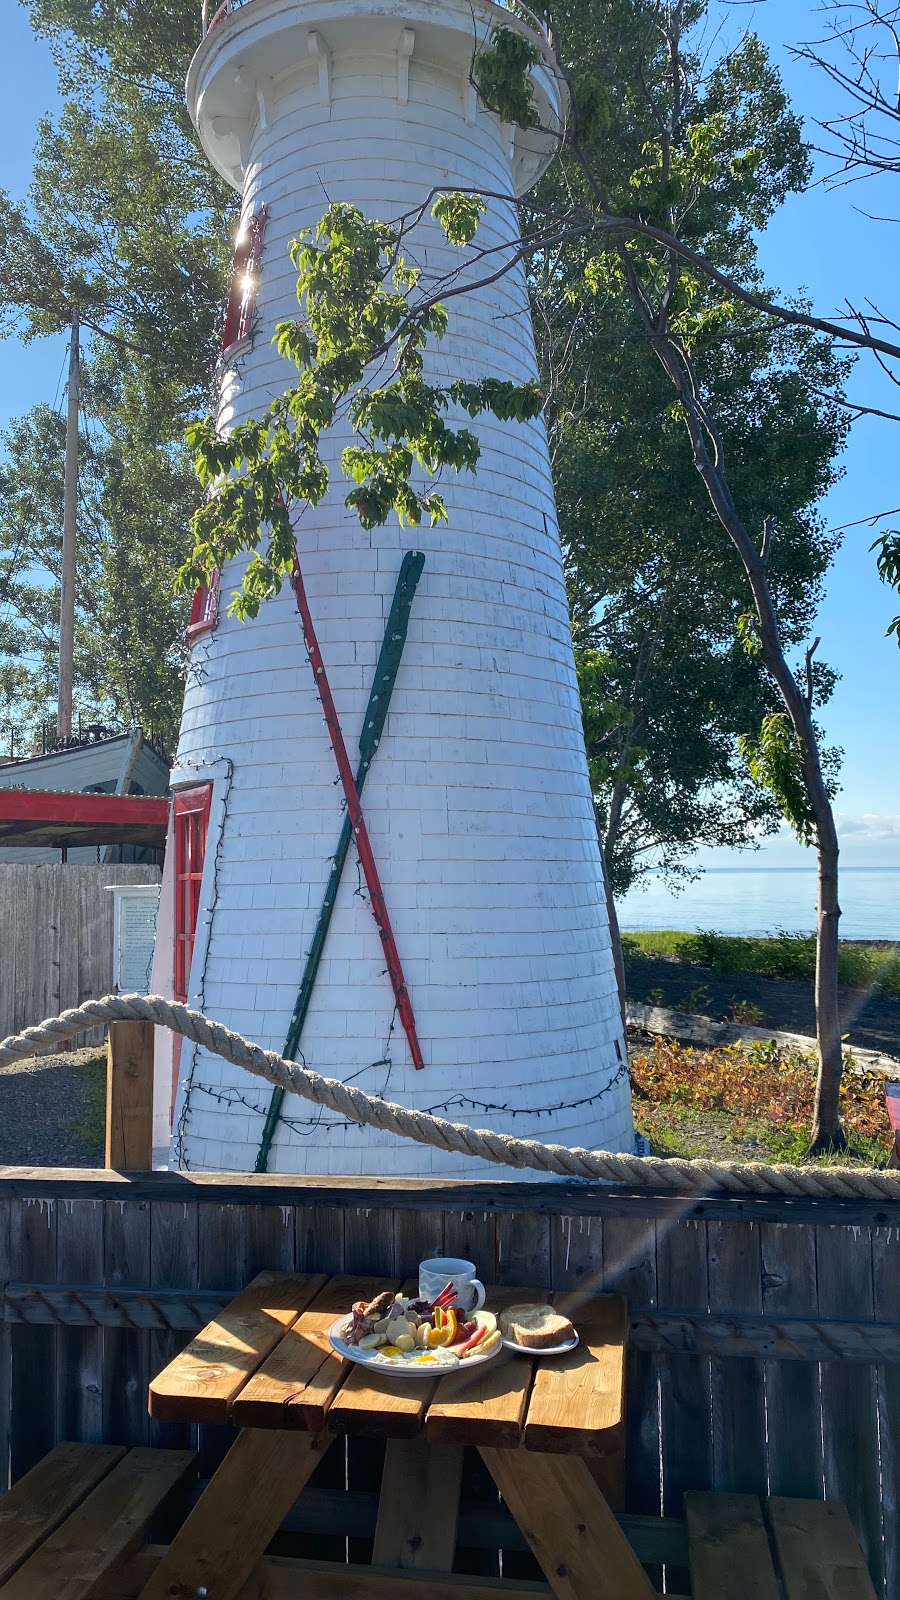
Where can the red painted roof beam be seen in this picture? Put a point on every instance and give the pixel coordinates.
(57, 819)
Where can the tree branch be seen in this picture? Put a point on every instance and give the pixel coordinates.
(809, 672)
(765, 547)
(578, 223)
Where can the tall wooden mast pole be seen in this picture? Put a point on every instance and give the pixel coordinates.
(70, 523)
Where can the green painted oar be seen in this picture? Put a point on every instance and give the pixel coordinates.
(372, 729)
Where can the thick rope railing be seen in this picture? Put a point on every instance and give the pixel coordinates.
(644, 1172)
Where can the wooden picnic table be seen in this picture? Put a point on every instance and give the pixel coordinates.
(550, 1431)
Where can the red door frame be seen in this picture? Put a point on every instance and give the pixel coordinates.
(190, 815)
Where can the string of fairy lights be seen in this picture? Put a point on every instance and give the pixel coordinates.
(305, 1127)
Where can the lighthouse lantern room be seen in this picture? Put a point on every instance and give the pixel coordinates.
(445, 652)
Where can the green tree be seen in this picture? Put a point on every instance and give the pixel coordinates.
(359, 302)
(888, 563)
(127, 223)
(657, 597)
(655, 592)
(713, 147)
(128, 622)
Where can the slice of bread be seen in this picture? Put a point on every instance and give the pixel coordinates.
(536, 1327)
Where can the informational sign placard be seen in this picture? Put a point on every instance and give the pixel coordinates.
(136, 907)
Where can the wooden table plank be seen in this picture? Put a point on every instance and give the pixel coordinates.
(418, 1509)
(104, 1530)
(484, 1405)
(577, 1401)
(380, 1408)
(371, 1407)
(728, 1548)
(569, 1526)
(39, 1502)
(818, 1550)
(217, 1548)
(295, 1387)
(201, 1383)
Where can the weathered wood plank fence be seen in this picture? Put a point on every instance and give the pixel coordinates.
(766, 1332)
(56, 935)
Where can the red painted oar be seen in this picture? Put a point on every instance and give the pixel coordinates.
(357, 820)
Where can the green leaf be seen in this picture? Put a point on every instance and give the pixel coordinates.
(360, 309)
(503, 75)
(458, 215)
(775, 761)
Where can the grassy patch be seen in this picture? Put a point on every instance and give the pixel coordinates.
(738, 1104)
(88, 1129)
(783, 955)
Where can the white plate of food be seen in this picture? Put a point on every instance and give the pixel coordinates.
(413, 1338)
(536, 1330)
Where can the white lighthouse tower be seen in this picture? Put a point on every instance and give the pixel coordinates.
(476, 797)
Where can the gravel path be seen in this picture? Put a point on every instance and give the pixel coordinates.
(51, 1110)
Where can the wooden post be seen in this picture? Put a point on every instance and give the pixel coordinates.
(129, 1096)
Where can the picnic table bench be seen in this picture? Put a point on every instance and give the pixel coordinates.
(74, 1528)
(550, 1432)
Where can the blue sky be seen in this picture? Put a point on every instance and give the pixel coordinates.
(821, 243)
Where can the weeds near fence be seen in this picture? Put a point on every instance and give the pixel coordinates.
(86, 1132)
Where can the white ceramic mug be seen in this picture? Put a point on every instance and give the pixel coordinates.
(435, 1274)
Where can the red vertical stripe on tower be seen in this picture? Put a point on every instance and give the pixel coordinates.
(360, 831)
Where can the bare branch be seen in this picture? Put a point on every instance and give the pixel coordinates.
(578, 223)
(856, 406)
(867, 522)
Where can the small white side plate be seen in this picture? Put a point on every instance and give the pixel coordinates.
(549, 1350)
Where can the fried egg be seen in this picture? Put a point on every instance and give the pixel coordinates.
(390, 1356)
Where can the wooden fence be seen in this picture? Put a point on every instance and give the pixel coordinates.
(765, 1348)
(56, 935)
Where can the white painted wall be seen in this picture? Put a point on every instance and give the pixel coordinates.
(478, 801)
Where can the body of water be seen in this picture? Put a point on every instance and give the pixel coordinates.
(759, 900)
